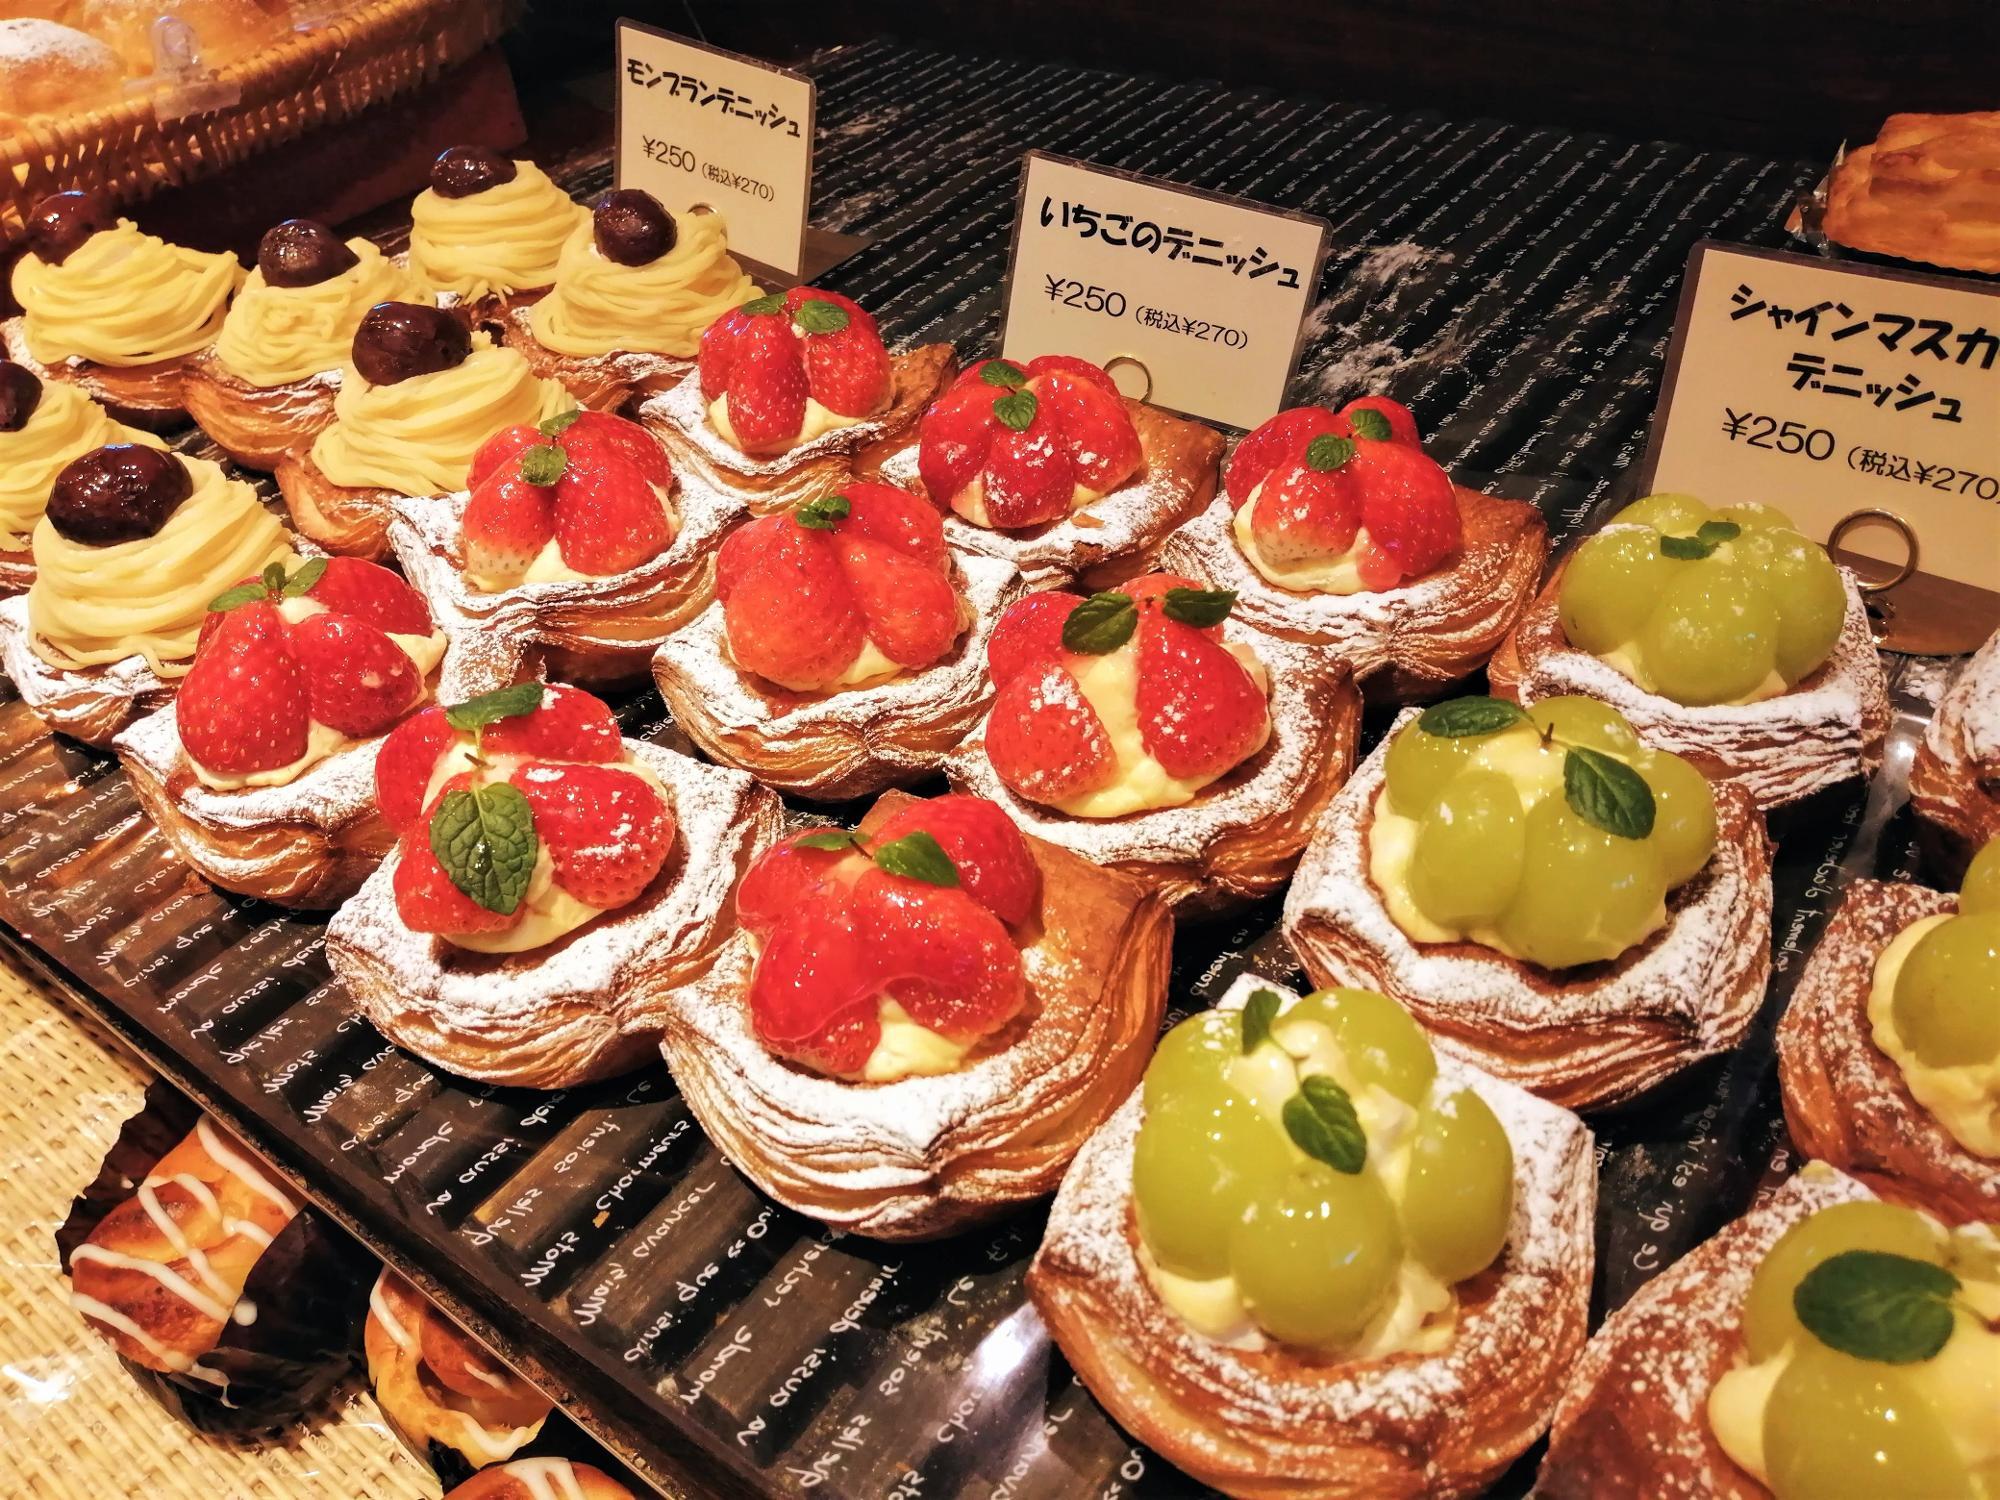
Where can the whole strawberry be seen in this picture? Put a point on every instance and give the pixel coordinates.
(764, 363)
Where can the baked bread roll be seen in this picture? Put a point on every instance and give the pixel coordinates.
(46, 68)
(224, 30)
(1924, 190)
(1955, 779)
(541, 1479)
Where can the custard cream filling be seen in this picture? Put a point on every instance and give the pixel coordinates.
(502, 239)
(418, 436)
(662, 307)
(275, 335)
(1323, 575)
(124, 298)
(818, 422)
(1964, 1098)
(969, 504)
(65, 424)
(908, 1049)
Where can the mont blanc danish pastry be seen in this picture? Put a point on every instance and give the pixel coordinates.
(1336, 530)
(133, 545)
(1137, 729)
(1558, 902)
(791, 395)
(1310, 1258)
(1955, 780)
(113, 310)
(1724, 636)
(923, 1018)
(265, 388)
(489, 231)
(418, 397)
(1825, 1344)
(261, 771)
(1922, 190)
(1890, 1050)
(846, 649)
(553, 887)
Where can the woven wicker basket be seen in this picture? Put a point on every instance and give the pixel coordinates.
(374, 51)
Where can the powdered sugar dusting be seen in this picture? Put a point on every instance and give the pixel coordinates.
(683, 411)
(1966, 730)
(30, 40)
(91, 705)
(328, 795)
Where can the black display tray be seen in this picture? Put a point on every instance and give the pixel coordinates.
(1513, 286)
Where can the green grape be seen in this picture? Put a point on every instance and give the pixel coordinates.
(1460, 1191)
(1610, 586)
(1683, 814)
(1753, 515)
(1947, 1000)
(1713, 638)
(1980, 890)
(1467, 860)
(1577, 720)
(1419, 765)
(1811, 600)
(1196, 1166)
(1316, 1256)
(1840, 1428)
(1768, 1320)
(1585, 895)
(1191, 1057)
(1381, 1042)
(1673, 515)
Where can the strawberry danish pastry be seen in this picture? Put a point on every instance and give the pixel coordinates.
(792, 394)
(846, 649)
(261, 770)
(1336, 530)
(922, 1018)
(1133, 730)
(1955, 780)
(553, 887)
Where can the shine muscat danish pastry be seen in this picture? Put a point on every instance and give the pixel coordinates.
(265, 388)
(634, 289)
(1134, 729)
(846, 649)
(417, 398)
(1889, 1053)
(1558, 902)
(1955, 780)
(455, 1405)
(1336, 530)
(1046, 465)
(489, 231)
(261, 771)
(552, 887)
(790, 395)
(43, 425)
(1310, 1258)
(132, 546)
(112, 310)
(573, 550)
(1824, 1345)
(1927, 188)
(922, 1018)
(541, 1479)
(1724, 636)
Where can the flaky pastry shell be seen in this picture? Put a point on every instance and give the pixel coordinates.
(591, 1004)
(148, 396)
(925, 1157)
(678, 417)
(1585, 1037)
(1827, 729)
(1114, 537)
(17, 571)
(345, 520)
(90, 705)
(257, 426)
(602, 382)
(1845, 1100)
(1405, 642)
(1922, 190)
(1241, 835)
(853, 742)
(1633, 1420)
(1266, 1421)
(1955, 779)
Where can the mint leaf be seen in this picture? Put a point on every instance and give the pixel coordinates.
(1715, 533)
(310, 572)
(543, 464)
(1016, 409)
(1101, 624)
(1461, 718)
(484, 836)
(560, 423)
(1369, 423)
(1607, 793)
(775, 303)
(823, 514)
(1200, 608)
(1259, 1011)
(828, 838)
(237, 597)
(815, 316)
(999, 372)
(918, 856)
(274, 576)
(1326, 452)
(1321, 1121)
(489, 708)
(1685, 548)
(1876, 1305)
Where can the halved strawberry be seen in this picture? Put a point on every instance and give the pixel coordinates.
(1303, 514)
(785, 877)
(404, 764)
(1029, 477)
(910, 610)
(1410, 509)
(953, 436)
(607, 831)
(1281, 439)
(1028, 633)
(608, 515)
(1082, 369)
(1200, 711)
(767, 386)
(812, 997)
(716, 355)
(786, 606)
(427, 901)
(941, 955)
(995, 867)
(1149, 594)
(569, 725)
(1045, 740)
(1103, 445)
(768, 357)
(847, 369)
(896, 518)
(506, 524)
(243, 706)
(499, 452)
(368, 591)
(593, 432)
(360, 682)
(1402, 426)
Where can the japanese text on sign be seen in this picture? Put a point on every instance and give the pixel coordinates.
(1175, 242)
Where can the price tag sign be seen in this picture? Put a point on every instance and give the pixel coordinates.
(1192, 300)
(697, 125)
(1859, 400)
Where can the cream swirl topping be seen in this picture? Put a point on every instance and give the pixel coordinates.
(502, 239)
(124, 298)
(66, 424)
(661, 307)
(274, 335)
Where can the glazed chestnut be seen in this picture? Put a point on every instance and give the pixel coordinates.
(63, 221)
(631, 227)
(20, 394)
(302, 252)
(461, 171)
(118, 493)
(398, 340)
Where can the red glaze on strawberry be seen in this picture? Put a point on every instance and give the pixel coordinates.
(606, 831)
(427, 901)
(802, 593)
(1046, 740)
(765, 360)
(404, 764)
(994, 864)
(246, 696)
(1012, 446)
(782, 878)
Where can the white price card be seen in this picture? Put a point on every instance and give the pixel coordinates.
(1855, 398)
(700, 126)
(1193, 300)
